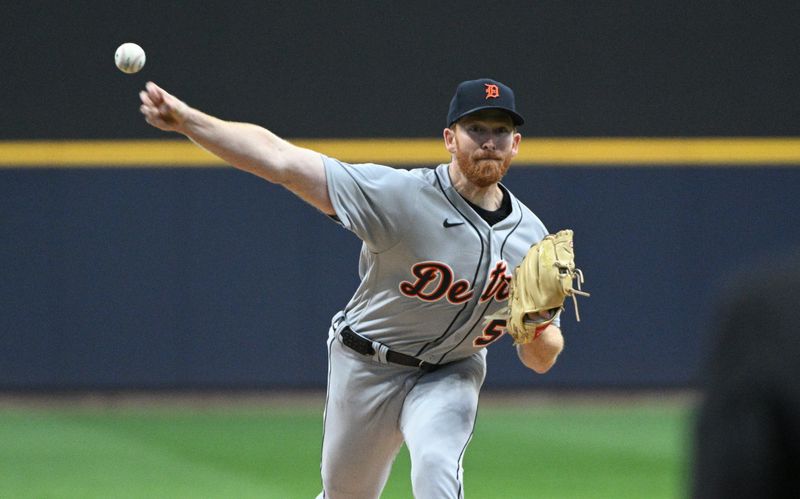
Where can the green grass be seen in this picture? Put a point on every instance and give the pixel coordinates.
(571, 451)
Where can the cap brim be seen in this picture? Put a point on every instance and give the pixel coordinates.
(515, 117)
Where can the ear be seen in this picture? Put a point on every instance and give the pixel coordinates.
(450, 140)
(515, 144)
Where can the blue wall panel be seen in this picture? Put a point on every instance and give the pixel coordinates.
(141, 278)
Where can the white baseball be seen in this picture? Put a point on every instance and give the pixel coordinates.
(129, 58)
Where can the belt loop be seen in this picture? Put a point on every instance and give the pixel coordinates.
(380, 352)
(338, 322)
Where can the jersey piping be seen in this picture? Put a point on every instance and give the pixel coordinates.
(489, 302)
(474, 279)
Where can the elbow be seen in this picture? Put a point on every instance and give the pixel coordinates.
(543, 368)
(541, 354)
(273, 164)
(273, 168)
(540, 366)
(287, 166)
(269, 172)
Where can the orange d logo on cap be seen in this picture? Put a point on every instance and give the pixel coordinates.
(492, 91)
(476, 95)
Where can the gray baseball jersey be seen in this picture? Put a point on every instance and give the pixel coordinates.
(431, 268)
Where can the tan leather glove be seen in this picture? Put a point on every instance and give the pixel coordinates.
(540, 285)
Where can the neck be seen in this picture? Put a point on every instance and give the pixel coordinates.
(489, 198)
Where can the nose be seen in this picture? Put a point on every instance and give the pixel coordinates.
(489, 143)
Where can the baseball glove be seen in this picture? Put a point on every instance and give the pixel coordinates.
(540, 285)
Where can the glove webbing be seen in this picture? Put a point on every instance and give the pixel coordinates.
(572, 291)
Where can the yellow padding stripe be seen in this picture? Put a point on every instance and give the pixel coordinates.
(533, 151)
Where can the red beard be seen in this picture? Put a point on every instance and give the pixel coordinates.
(483, 173)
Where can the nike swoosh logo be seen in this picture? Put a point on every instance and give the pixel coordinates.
(447, 224)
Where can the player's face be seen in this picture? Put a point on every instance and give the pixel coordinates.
(484, 144)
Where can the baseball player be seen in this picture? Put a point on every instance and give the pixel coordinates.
(407, 354)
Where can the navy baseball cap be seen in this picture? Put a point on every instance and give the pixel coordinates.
(475, 95)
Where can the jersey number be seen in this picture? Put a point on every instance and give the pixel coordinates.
(491, 333)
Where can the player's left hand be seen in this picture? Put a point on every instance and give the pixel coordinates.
(540, 284)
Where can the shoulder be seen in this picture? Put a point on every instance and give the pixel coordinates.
(527, 217)
(375, 172)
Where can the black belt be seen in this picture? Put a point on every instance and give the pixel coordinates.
(364, 347)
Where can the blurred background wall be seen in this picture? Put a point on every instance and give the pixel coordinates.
(150, 276)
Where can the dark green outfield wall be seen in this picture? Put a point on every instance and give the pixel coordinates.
(388, 68)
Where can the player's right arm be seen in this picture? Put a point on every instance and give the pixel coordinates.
(245, 146)
(541, 354)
